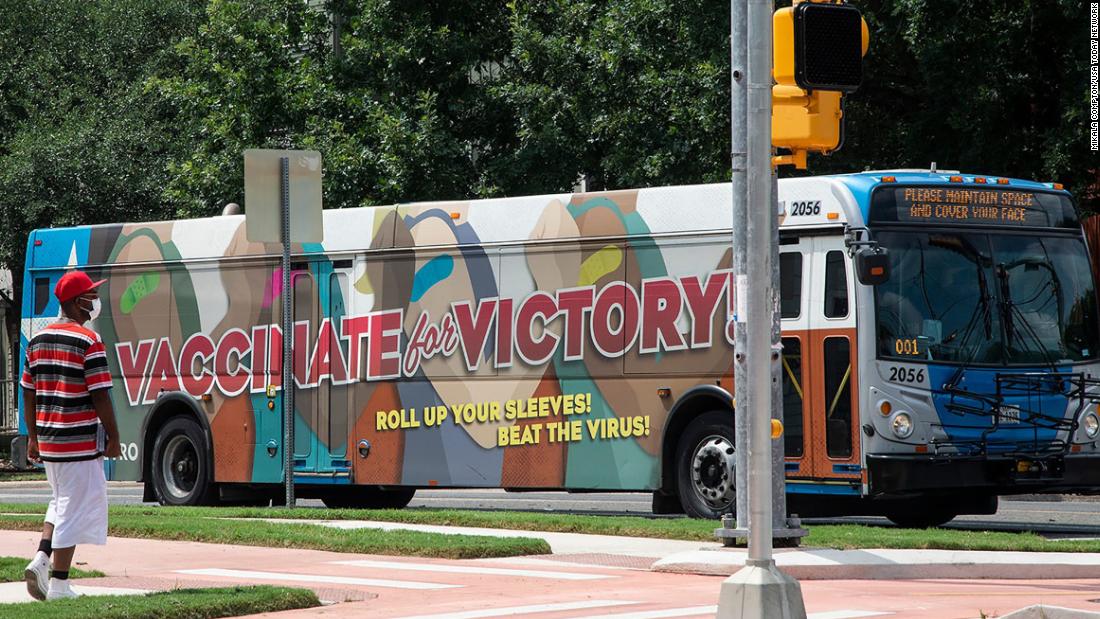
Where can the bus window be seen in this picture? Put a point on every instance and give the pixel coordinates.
(790, 284)
(304, 400)
(338, 403)
(838, 397)
(792, 397)
(41, 294)
(836, 286)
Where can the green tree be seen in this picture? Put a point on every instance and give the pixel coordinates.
(80, 142)
(628, 92)
(983, 86)
(635, 92)
(402, 113)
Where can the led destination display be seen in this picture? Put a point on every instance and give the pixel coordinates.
(958, 205)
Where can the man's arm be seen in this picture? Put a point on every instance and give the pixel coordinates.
(101, 400)
(97, 378)
(30, 421)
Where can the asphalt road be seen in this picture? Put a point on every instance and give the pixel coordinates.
(1067, 517)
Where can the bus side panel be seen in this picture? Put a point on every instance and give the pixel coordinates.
(173, 326)
(534, 365)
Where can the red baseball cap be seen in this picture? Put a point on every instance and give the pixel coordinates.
(73, 284)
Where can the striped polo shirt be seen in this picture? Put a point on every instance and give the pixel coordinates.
(65, 363)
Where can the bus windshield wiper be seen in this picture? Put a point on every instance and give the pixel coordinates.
(981, 310)
(1011, 313)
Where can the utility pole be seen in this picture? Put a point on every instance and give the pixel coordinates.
(759, 590)
(781, 527)
(818, 51)
(738, 102)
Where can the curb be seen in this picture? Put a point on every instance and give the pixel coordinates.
(826, 564)
(1042, 611)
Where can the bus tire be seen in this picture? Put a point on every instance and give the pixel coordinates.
(925, 518)
(181, 464)
(369, 497)
(705, 466)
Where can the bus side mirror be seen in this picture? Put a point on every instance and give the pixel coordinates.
(872, 266)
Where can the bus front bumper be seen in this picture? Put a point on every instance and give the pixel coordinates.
(897, 474)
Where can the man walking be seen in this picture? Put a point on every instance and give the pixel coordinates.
(67, 410)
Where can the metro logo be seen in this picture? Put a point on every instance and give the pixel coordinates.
(533, 329)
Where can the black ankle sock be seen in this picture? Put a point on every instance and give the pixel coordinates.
(60, 574)
(46, 546)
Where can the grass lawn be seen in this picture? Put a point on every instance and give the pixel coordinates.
(178, 604)
(11, 570)
(143, 517)
(188, 525)
(22, 476)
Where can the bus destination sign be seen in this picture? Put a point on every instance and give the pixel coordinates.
(972, 206)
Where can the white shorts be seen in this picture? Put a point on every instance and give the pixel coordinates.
(78, 509)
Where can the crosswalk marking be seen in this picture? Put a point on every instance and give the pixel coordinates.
(464, 569)
(336, 580)
(846, 614)
(689, 611)
(513, 611)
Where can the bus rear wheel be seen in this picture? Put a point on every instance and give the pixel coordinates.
(180, 465)
(705, 464)
(369, 497)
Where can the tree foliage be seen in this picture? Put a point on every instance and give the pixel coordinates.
(132, 110)
(397, 114)
(80, 140)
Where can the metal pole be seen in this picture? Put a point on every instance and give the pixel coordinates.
(738, 102)
(781, 527)
(758, 354)
(288, 333)
(759, 590)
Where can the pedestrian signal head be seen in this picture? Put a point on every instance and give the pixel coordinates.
(819, 46)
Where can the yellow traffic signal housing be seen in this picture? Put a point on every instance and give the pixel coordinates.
(818, 50)
(804, 121)
(819, 46)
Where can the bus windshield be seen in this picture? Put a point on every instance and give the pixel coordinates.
(986, 298)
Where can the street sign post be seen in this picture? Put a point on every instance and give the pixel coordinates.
(263, 195)
(273, 181)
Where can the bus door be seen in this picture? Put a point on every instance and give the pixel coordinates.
(321, 390)
(795, 256)
(832, 435)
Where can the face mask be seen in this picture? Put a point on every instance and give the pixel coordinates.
(93, 311)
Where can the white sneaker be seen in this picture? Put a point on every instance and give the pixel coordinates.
(37, 575)
(60, 589)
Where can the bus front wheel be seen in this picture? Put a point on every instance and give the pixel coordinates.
(180, 464)
(369, 497)
(705, 465)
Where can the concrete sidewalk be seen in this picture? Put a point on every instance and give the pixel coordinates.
(710, 558)
(559, 586)
(12, 592)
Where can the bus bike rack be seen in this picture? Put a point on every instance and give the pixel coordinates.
(1031, 388)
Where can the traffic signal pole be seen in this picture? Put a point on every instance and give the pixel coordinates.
(759, 590)
(738, 116)
(781, 528)
(757, 358)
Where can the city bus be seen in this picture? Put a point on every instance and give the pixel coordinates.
(939, 338)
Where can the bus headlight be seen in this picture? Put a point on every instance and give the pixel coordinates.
(1091, 423)
(902, 425)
